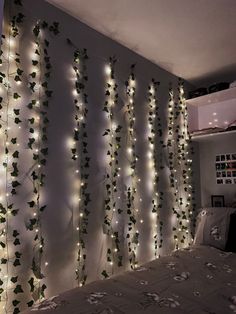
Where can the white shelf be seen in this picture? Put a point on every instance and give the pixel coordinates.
(206, 137)
(216, 110)
(209, 99)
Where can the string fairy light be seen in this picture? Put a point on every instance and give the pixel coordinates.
(180, 167)
(37, 143)
(81, 161)
(10, 103)
(153, 119)
(113, 170)
(132, 196)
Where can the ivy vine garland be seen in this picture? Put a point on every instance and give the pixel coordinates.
(10, 78)
(132, 196)
(180, 167)
(81, 159)
(38, 121)
(153, 132)
(112, 135)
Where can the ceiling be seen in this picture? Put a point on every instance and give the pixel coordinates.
(194, 39)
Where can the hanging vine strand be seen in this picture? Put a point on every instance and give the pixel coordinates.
(132, 196)
(10, 103)
(37, 143)
(81, 161)
(111, 206)
(153, 128)
(180, 167)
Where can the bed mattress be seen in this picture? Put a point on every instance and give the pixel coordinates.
(198, 280)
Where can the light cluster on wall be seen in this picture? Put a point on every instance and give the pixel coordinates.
(10, 123)
(180, 167)
(112, 135)
(152, 154)
(81, 161)
(38, 84)
(116, 216)
(133, 200)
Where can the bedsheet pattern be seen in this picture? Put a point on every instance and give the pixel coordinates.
(197, 280)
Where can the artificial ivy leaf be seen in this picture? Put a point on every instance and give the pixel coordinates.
(44, 151)
(16, 242)
(14, 279)
(14, 212)
(15, 302)
(42, 208)
(33, 74)
(48, 93)
(18, 289)
(35, 62)
(31, 120)
(30, 143)
(16, 262)
(15, 184)
(30, 303)
(16, 96)
(32, 86)
(31, 204)
(19, 71)
(17, 120)
(14, 140)
(15, 233)
(3, 245)
(105, 274)
(16, 112)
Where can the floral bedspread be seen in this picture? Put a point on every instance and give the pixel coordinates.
(197, 280)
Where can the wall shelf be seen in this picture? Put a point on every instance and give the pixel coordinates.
(216, 110)
(210, 136)
(221, 96)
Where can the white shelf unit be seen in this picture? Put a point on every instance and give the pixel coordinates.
(210, 136)
(212, 110)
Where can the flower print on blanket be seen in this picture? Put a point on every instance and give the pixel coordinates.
(95, 297)
(181, 277)
(233, 303)
(215, 233)
(49, 304)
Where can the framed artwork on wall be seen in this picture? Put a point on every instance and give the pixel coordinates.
(217, 201)
(225, 166)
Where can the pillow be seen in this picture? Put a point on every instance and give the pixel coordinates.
(231, 242)
(213, 226)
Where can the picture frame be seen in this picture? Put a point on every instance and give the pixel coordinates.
(217, 201)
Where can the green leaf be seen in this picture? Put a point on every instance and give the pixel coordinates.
(18, 289)
(31, 204)
(16, 96)
(15, 302)
(14, 279)
(104, 274)
(30, 303)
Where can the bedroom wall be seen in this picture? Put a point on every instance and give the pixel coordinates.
(57, 220)
(1, 14)
(207, 154)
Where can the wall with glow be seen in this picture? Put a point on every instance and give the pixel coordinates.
(95, 157)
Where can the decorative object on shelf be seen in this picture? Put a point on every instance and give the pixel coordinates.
(225, 166)
(198, 92)
(217, 201)
(218, 87)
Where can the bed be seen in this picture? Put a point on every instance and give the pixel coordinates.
(197, 280)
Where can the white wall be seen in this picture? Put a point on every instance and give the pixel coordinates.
(1, 15)
(207, 153)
